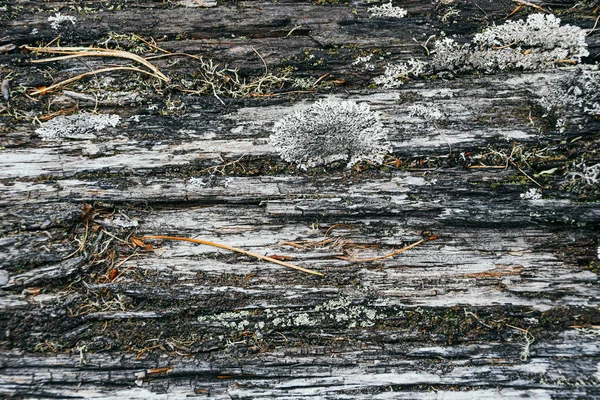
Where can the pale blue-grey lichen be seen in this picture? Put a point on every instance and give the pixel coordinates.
(365, 61)
(209, 181)
(396, 74)
(336, 312)
(428, 113)
(531, 194)
(5, 89)
(330, 131)
(387, 11)
(76, 126)
(580, 90)
(58, 19)
(537, 43)
(585, 175)
(540, 32)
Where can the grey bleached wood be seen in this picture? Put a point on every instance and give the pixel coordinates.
(502, 302)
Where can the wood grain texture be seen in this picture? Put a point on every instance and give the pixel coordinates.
(500, 301)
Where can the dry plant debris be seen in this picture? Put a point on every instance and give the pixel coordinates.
(234, 249)
(78, 52)
(346, 245)
(389, 255)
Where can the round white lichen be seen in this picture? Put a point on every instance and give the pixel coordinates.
(331, 131)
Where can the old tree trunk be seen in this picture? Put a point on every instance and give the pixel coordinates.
(499, 301)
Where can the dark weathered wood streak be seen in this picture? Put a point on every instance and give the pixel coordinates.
(501, 301)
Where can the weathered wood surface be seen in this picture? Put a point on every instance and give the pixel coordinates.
(502, 302)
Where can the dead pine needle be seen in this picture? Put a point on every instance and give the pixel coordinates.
(234, 249)
(392, 254)
(523, 3)
(594, 27)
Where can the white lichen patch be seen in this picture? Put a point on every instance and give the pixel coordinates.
(365, 61)
(330, 131)
(540, 33)
(209, 181)
(303, 320)
(332, 305)
(428, 113)
(580, 90)
(585, 175)
(334, 312)
(77, 126)
(537, 43)
(531, 194)
(198, 3)
(304, 83)
(395, 75)
(387, 11)
(58, 19)
(230, 319)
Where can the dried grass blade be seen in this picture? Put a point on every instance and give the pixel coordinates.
(74, 52)
(98, 71)
(234, 249)
(392, 254)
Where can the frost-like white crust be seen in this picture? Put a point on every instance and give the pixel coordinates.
(331, 131)
(76, 126)
(537, 43)
(387, 11)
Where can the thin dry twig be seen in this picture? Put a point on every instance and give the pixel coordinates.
(221, 168)
(508, 159)
(53, 40)
(320, 79)
(262, 59)
(282, 93)
(594, 28)
(392, 254)
(572, 62)
(293, 29)
(469, 313)
(82, 243)
(528, 4)
(514, 11)
(309, 244)
(234, 249)
(151, 45)
(335, 226)
(524, 173)
(168, 54)
(529, 340)
(488, 167)
(505, 46)
(424, 45)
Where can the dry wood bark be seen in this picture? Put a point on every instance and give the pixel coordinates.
(501, 301)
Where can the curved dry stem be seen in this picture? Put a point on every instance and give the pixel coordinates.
(98, 71)
(392, 254)
(75, 52)
(234, 249)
